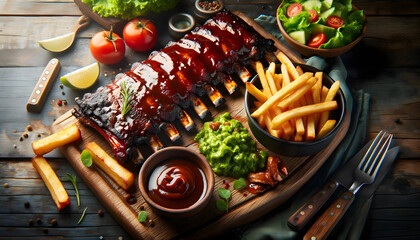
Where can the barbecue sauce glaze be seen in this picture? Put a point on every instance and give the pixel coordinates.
(177, 183)
(169, 78)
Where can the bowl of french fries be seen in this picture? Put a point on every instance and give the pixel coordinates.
(293, 109)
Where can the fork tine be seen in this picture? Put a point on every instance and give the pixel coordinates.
(372, 148)
(374, 153)
(383, 151)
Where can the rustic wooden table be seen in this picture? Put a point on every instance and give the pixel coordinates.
(384, 64)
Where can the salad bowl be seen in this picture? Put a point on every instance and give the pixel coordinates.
(308, 51)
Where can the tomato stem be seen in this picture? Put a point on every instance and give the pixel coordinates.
(111, 38)
(140, 25)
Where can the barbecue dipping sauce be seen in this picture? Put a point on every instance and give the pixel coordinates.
(177, 183)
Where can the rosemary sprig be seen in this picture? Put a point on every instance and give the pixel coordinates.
(72, 179)
(83, 216)
(126, 94)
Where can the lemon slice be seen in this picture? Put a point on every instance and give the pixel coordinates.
(58, 44)
(82, 78)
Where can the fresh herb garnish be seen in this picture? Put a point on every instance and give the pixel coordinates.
(83, 215)
(142, 216)
(86, 158)
(72, 179)
(223, 204)
(125, 94)
(239, 183)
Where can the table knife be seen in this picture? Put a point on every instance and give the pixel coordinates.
(343, 177)
(332, 215)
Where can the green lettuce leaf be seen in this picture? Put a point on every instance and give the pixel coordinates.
(301, 21)
(334, 42)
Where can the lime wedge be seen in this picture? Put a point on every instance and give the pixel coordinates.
(82, 78)
(58, 44)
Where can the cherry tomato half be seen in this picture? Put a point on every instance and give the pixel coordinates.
(294, 10)
(314, 15)
(107, 47)
(335, 21)
(317, 40)
(140, 34)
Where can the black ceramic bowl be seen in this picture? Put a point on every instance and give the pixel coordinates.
(291, 148)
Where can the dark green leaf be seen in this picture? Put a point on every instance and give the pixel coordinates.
(221, 205)
(239, 183)
(224, 193)
(142, 216)
(86, 158)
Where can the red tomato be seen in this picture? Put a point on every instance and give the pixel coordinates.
(294, 10)
(335, 21)
(314, 15)
(107, 47)
(317, 40)
(140, 34)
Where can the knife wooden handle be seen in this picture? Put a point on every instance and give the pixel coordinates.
(43, 86)
(305, 213)
(329, 219)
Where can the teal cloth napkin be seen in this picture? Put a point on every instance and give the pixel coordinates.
(274, 224)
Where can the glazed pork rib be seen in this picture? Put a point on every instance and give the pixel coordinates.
(171, 80)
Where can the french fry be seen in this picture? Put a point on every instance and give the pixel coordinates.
(316, 96)
(260, 119)
(310, 123)
(330, 96)
(290, 67)
(58, 139)
(296, 95)
(287, 127)
(324, 92)
(328, 126)
(269, 125)
(123, 177)
(303, 111)
(278, 79)
(299, 70)
(272, 68)
(271, 83)
(254, 91)
(299, 82)
(298, 137)
(263, 79)
(285, 74)
(54, 185)
(299, 125)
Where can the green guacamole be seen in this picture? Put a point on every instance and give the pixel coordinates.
(229, 148)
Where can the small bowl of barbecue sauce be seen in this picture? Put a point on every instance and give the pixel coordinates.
(176, 182)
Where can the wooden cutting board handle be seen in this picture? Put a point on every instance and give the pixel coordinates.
(106, 22)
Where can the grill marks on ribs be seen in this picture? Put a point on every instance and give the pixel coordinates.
(168, 79)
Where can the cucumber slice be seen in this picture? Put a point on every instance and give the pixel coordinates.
(326, 4)
(299, 36)
(328, 31)
(312, 5)
(327, 13)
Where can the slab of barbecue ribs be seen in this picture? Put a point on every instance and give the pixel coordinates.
(169, 81)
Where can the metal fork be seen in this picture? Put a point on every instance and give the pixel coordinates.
(368, 168)
(365, 173)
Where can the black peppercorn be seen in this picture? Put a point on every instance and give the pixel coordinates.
(54, 222)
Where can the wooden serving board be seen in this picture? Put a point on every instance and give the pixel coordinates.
(243, 206)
